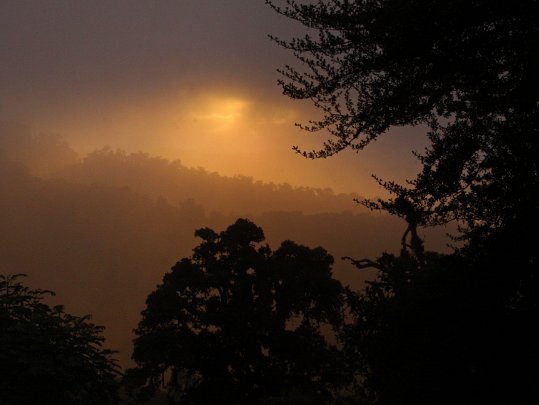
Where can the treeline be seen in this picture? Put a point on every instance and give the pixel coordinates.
(50, 156)
(102, 247)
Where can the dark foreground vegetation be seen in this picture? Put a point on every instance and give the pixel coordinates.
(48, 356)
(432, 329)
(239, 323)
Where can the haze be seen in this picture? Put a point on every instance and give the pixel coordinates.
(188, 80)
(126, 125)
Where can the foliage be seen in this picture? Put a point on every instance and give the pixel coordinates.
(237, 322)
(448, 329)
(438, 328)
(49, 356)
(466, 70)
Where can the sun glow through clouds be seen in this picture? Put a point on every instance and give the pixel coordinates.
(221, 112)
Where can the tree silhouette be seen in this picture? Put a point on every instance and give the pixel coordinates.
(434, 328)
(48, 356)
(237, 322)
(447, 329)
(465, 70)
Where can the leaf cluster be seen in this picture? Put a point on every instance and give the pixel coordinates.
(465, 70)
(49, 356)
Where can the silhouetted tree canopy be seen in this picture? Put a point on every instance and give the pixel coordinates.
(237, 322)
(103, 247)
(447, 329)
(466, 70)
(48, 356)
(432, 328)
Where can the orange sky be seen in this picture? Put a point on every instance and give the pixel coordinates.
(193, 80)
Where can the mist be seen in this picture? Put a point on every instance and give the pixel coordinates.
(192, 80)
(101, 229)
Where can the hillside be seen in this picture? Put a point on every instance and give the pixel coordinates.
(98, 234)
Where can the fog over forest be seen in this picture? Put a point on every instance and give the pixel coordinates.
(101, 229)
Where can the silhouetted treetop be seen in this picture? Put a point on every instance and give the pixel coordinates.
(48, 356)
(373, 64)
(465, 69)
(237, 322)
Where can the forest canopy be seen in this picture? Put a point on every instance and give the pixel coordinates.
(237, 322)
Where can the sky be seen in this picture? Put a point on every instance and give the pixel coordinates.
(193, 80)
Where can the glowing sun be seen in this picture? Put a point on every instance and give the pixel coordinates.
(221, 111)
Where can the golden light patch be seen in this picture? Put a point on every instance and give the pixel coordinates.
(222, 130)
(221, 111)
